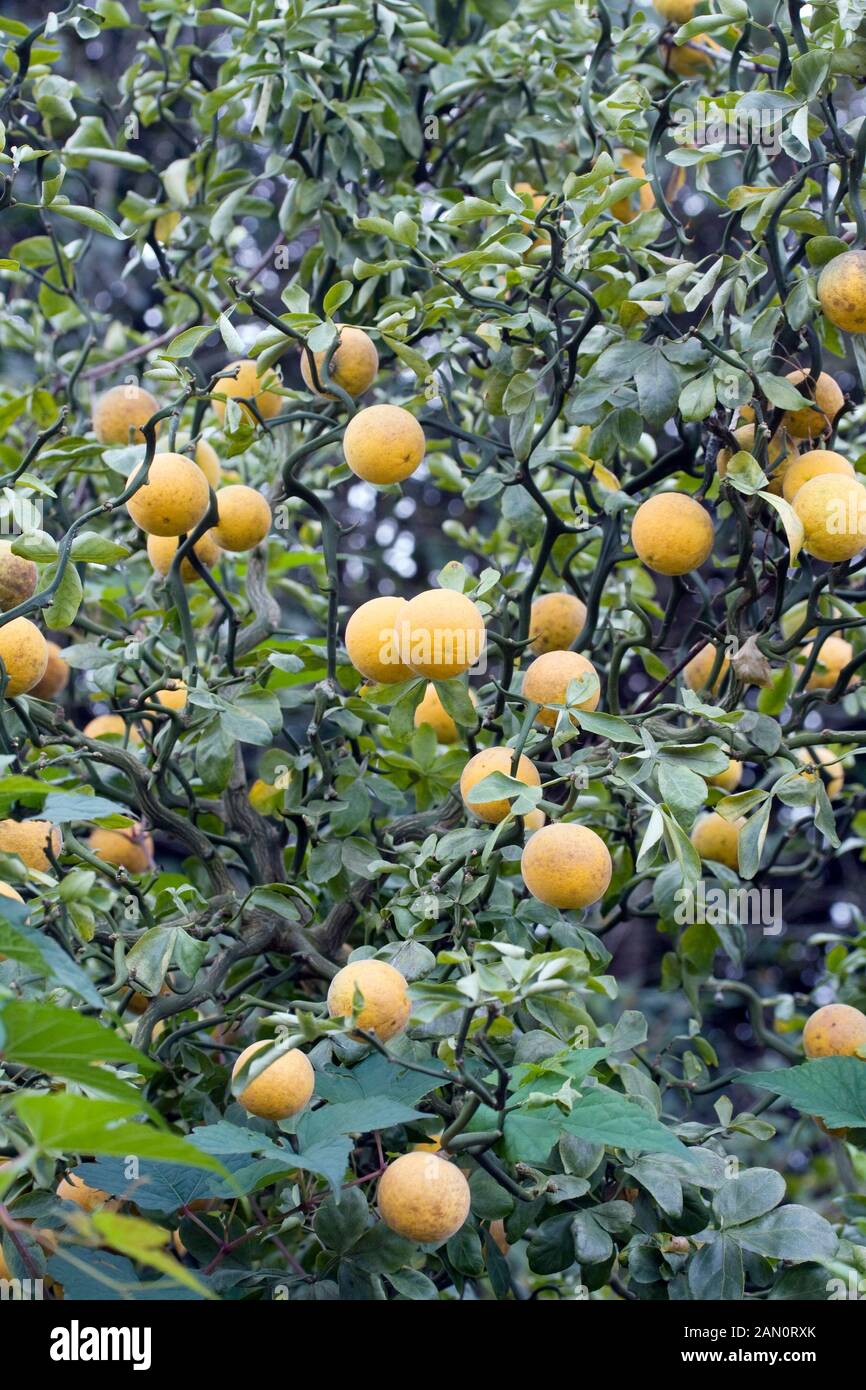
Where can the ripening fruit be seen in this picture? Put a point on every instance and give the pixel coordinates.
(165, 226)
(383, 444)
(821, 759)
(842, 291)
(207, 459)
(538, 199)
(672, 533)
(555, 621)
(690, 58)
(29, 840)
(18, 578)
(173, 500)
(173, 696)
(432, 711)
(130, 849)
(814, 464)
(373, 640)
(547, 679)
(111, 726)
(56, 677)
(161, 551)
(832, 509)
(534, 821)
(432, 1145)
(386, 1007)
(696, 672)
(7, 891)
(730, 779)
(353, 366)
(488, 761)
(566, 865)
(247, 385)
(745, 437)
(423, 1197)
(834, 653)
(836, 1030)
(119, 414)
(244, 517)
(74, 1189)
(828, 398)
(678, 11)
(443, 634)
(633, 164)
(282, 1089)
(24, 653)
(718, 839)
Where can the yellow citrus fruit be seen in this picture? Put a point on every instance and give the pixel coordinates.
(696, 672)
(431, 711)
(566, 865)
(353, 366)
(488, 761)
(842, 291)
(672, 533)
(207, 459)
(161, 550)
(547, 679)
(633, 164)
(828, 398)
(373, 640)
(814, 464)
(74, 1189)
(836, 1030)
(833, 654)
(56, 677)
(24, 653)
(555, 621)
(442, 634)
(678, 11)
(423, 1197)
(688, 59)
(745, 437)
(247, 385)
(7, 891)
(130, 849)
(165, 225)
(119, 414)
(29, 840)
(730, 779)
(822, 759)
(538, 199)
(110, 726)
(534, 821)
(17, 578)
(383, 444)
(173, 696)
(244, 517)
(430, 1146)
(386, 1003)
(832, 509)
(718, 839)
(282, 1089)
(173, 500)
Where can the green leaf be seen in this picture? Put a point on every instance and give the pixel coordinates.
(97, 221)
(63, 609)
(833, 1088)
(77, 1124)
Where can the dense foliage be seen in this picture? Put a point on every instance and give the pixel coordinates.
(585, 240)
